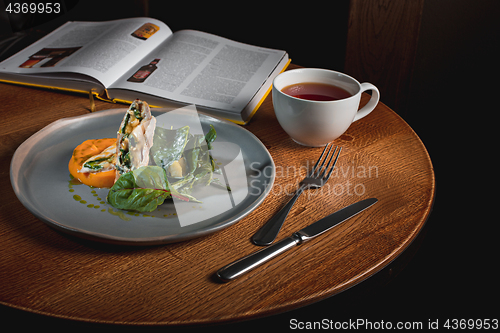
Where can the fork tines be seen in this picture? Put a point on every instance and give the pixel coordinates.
(323, 168)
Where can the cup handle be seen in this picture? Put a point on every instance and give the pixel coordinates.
(372, 103)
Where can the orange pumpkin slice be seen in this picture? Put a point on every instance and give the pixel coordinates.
(86, 150)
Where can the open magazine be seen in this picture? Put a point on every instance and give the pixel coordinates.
(142, 58)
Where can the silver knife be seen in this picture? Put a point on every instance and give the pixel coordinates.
(245, 264)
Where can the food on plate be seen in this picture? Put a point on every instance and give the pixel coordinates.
(135, 138)
(185, 158)
(145, 165)
(92, 162)
(104, 161)
(141, 189)
(182, 161)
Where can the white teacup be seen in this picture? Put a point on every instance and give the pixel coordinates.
(315, 123)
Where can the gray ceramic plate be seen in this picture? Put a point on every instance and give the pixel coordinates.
(41, 180)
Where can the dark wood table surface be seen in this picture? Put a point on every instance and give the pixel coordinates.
(46, 272)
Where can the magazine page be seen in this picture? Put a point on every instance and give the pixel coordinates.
(200, 68)
(102, 50)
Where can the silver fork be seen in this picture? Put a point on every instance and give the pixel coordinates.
(316, 178)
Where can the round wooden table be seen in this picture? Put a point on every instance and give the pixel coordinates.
(50, 273)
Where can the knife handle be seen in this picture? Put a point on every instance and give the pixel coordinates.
(245, 264)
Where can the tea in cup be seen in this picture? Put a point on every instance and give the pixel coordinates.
(316, 106)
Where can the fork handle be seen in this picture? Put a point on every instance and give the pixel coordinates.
(268, 232)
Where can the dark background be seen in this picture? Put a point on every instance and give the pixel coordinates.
(450, 271)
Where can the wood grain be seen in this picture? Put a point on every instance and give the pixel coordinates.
(382, 39)
(44, 271)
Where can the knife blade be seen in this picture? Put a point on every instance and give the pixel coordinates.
(245, 264)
